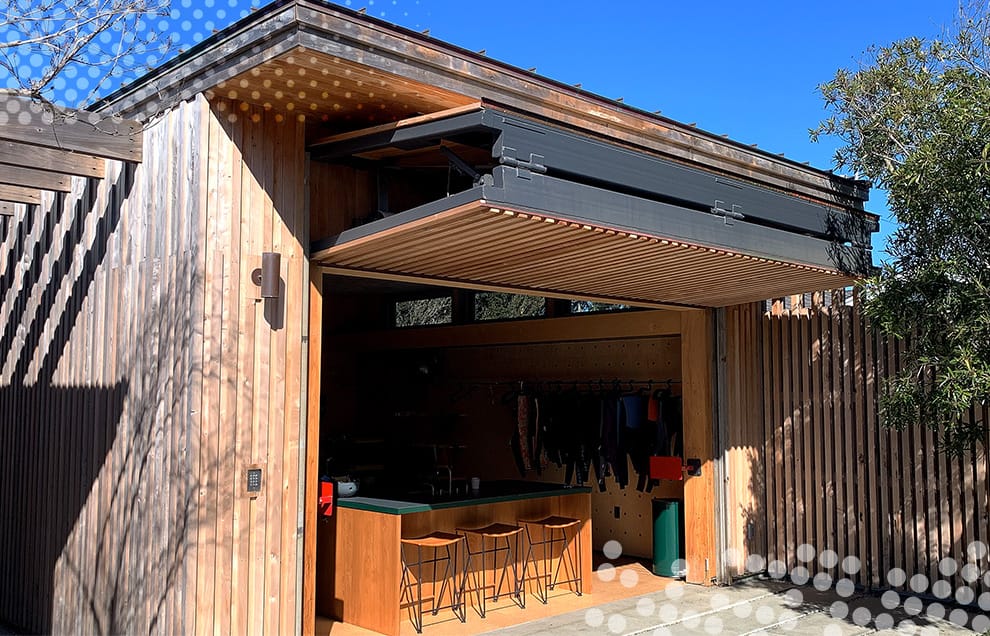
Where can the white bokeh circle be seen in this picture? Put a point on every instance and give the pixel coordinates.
(839, 610)
(755, 563)
(977, 550)
(948, 566)
(646, 606)
(765, 615)
(594, 617)
(822, 581)
(668, 613)
(828, 558)
(965, 595)
(942, 589)
(777, 569)
(918, 583)
(794, 597)
(851, 564)
(935, 611)
(862, 616)
(629, 578)
(806, 552)
(612, 549)
(616, 623)
(800, 575)
(845, 588)
(913, 605)
(890, 599)
(884, 621)
(606, 572)
(959, 617)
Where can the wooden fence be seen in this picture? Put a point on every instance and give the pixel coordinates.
(808, 456)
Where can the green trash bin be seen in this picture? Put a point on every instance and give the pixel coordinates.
(668, 537)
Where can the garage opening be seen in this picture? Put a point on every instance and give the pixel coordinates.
(554, 406)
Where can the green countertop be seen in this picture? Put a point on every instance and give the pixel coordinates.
(490, 492)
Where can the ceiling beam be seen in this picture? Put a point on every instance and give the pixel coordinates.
(79, 131)
(31, 178)
(51, 160)
(18, 194)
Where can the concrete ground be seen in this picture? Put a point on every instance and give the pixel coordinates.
(756, 607)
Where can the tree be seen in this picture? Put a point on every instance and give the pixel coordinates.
(915, 119)
(66, 51)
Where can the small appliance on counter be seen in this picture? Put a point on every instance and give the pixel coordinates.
(346, 486)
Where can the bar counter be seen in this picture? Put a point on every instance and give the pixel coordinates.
(490, 492)
(360, 566)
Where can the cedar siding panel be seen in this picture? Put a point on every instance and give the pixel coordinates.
(132, 341)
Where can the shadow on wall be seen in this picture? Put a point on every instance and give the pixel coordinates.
(98, 489)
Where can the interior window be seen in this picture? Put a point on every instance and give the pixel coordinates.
(424, 311)
(503, 306)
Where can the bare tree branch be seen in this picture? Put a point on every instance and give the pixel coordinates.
(44, 41)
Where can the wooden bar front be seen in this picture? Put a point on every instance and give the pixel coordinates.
(359, 564)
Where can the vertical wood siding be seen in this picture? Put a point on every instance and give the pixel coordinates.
(140, 377)
(811, 464)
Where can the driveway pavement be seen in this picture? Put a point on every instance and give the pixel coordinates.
(760, 607)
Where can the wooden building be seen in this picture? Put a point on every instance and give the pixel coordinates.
(172, 391)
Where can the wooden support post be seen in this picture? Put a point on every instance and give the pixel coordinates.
(697, 353)
(312, 450)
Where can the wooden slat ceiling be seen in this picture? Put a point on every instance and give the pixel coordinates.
(42, 148)
(326, 87)
(476, 246)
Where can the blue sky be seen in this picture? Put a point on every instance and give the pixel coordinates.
(746, 69)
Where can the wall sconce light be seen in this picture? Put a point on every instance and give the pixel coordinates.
(267, 276)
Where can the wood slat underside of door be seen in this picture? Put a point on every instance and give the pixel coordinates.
(478, 244)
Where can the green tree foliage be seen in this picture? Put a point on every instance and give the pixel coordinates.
(915, 119)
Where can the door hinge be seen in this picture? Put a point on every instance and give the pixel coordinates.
(733, 212)
(524, 167)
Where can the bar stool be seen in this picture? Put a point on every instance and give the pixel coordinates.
(512, 537)
(436, 541)
(552, 525)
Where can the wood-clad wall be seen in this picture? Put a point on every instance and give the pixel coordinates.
(833, 477)
(100, 375)
(140, 376)
(247, 548)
